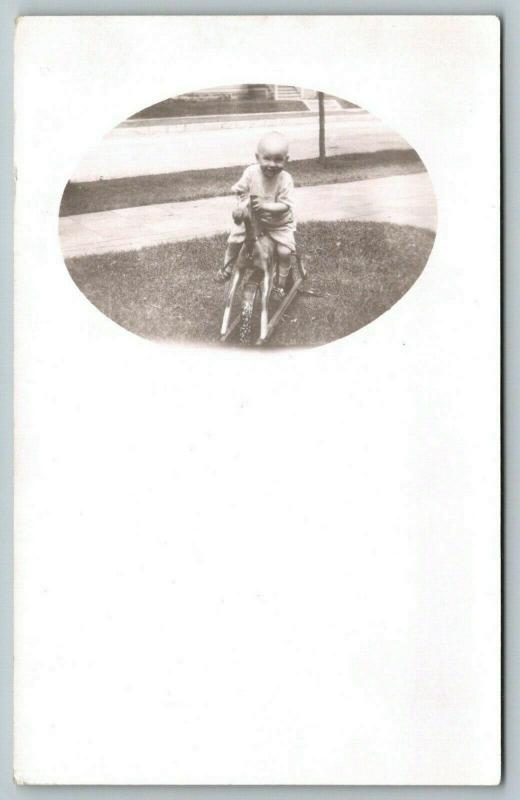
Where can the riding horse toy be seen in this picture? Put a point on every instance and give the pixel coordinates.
(255, 270)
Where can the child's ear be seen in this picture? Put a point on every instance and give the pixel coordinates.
(256, 156)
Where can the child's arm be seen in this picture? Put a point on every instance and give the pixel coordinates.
(284, 199)
(269, 207)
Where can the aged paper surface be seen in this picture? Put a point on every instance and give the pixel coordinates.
(247, 566)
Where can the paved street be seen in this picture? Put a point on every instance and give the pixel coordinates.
(400, 199)
(151, 150)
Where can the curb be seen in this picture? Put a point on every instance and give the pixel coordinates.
(223, 121)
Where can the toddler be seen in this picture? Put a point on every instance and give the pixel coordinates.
(272, 189)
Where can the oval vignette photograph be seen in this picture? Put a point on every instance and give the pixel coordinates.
(255, 214)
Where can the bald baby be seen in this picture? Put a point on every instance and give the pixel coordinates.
(272, 153)
(273, 142)
(267, 188)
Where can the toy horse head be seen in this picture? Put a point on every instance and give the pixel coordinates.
(253, 226)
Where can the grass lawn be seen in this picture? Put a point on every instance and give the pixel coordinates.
(187, 107)
(82, 198)
(359, 270)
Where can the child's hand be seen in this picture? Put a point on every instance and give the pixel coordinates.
(238, 215)
(257, 204)
(263, 209)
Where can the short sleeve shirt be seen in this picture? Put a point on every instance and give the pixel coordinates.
(277, 188)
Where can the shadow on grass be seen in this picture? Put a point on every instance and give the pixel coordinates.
(359, 270)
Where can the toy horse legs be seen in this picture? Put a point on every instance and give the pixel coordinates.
(232, 289)
(264, 315)
(264, 258)
(254, 269)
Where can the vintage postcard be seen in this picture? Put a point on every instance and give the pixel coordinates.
(257, 392)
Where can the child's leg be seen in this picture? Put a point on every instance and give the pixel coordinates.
(230, 257)
(284, 264)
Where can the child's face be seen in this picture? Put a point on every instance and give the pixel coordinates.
(271, 159)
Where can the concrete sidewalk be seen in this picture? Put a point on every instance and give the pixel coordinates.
(400, 199)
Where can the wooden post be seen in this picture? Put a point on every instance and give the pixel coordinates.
(321, 114)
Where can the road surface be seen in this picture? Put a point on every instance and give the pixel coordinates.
(127, 152)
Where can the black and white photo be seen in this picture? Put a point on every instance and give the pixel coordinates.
(146, 219)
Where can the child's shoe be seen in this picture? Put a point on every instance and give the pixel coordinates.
(279, 292)
(223, 275)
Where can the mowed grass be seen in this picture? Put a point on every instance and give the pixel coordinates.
(225, 104)
(188, 107)
(357, 269)
(82, 198)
